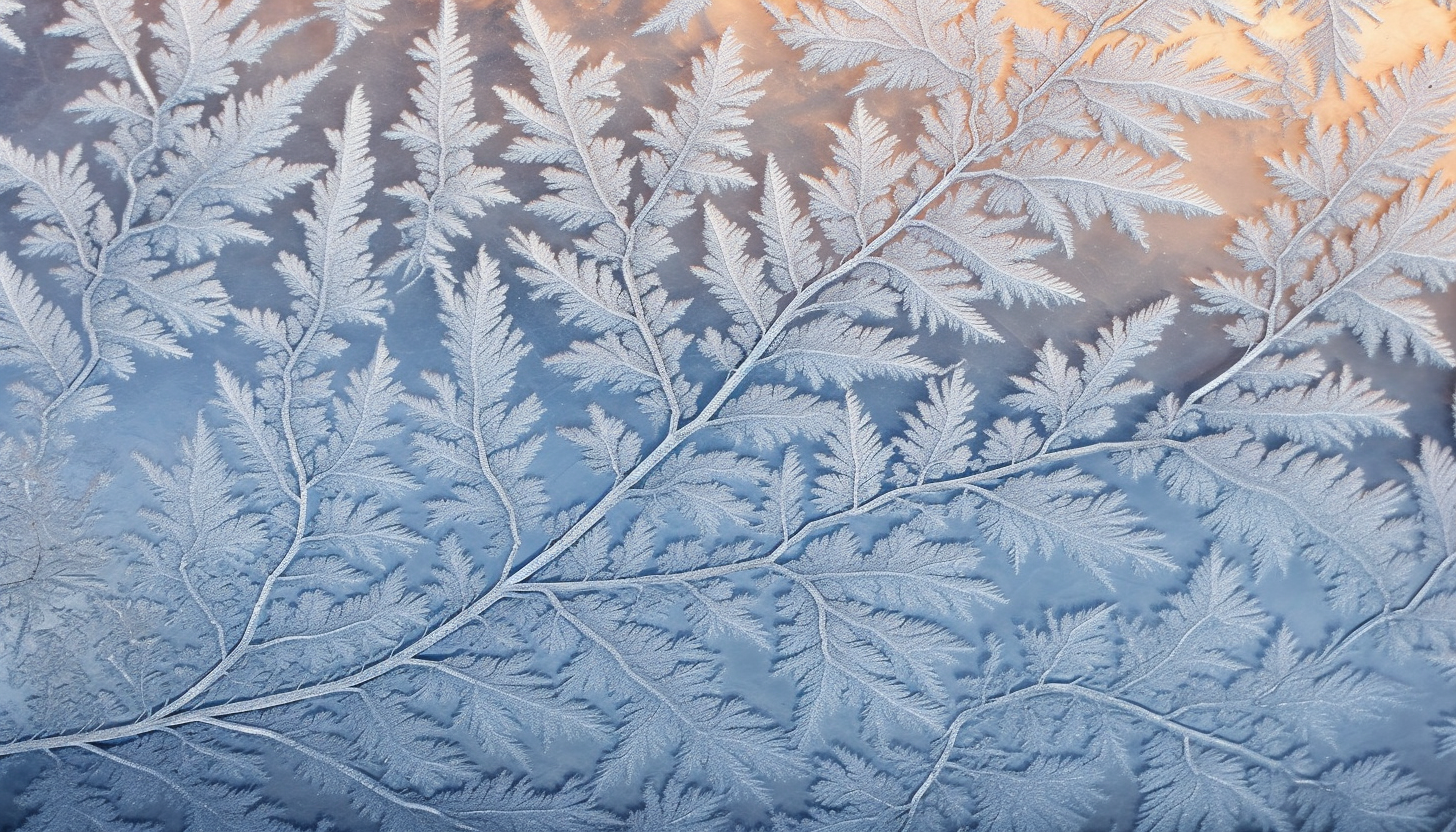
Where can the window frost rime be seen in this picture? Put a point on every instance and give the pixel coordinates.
(675, 560)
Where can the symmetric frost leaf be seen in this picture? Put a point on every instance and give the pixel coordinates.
(442, 134)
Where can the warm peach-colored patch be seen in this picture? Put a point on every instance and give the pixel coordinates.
(1405, 28)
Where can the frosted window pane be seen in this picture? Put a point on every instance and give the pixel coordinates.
(692, 415)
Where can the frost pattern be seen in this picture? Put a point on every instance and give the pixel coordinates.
(677, 560)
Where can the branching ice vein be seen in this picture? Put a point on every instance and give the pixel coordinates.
(1122, 704)
(332, 764)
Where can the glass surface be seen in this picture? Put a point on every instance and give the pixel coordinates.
(698, 415)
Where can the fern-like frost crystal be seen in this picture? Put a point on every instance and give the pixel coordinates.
(871, 425)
